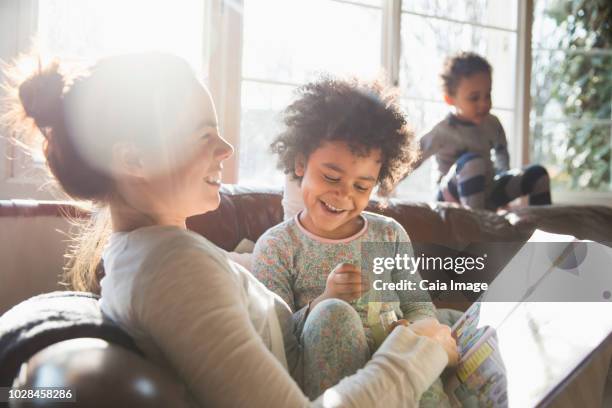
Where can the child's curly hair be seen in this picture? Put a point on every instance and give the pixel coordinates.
(459, 66)
(365, 115)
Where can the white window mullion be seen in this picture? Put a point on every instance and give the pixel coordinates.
(391, 40)
(521, 154)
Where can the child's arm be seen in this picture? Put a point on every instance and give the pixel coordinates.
(428, 146)
(414, 304)
(502, 157)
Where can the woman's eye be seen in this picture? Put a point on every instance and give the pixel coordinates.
(206, 136)
(361, 188)
(331, 179)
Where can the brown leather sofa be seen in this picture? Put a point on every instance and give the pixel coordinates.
(116, 375)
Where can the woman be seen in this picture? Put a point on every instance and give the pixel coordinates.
(139, 134)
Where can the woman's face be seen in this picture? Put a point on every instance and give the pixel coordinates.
(191, 166)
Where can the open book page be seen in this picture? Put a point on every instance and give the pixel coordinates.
(520, 353)
(479, 379)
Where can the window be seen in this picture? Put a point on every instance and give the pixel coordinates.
(255, 58)
(285, 44)
(571, 92)
(92, 28)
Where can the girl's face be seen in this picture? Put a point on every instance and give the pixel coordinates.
(190, 183)
(472, 99)
(336, 187)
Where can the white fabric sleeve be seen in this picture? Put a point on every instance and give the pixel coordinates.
(292, 201)
(192, 304)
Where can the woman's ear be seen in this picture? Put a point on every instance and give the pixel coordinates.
(127, 160)
(300, 165)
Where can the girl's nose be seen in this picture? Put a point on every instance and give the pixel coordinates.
(342, 189)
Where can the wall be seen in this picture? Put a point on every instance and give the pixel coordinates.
(31, 256)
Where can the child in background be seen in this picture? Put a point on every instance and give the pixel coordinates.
(343, 139)
(465, 140)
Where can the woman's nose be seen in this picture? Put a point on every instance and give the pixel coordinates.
(224, 149)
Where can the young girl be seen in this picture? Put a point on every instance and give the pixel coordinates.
(343, 139)
(139, 135)
(464, 142)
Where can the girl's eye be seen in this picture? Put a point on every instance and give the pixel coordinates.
(331, 179)
(206, 136)
(361, 188)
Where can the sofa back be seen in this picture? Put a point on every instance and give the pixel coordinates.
(248, 213)
(33, 236)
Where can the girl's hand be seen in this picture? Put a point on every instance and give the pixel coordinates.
(437, 332)
(344, 282)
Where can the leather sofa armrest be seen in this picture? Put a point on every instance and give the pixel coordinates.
(99, 374)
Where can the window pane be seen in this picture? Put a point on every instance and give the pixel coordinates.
(371, 3)
(421, 116)
(571, 93)
(262, 106)
(427, 42)
(565, 147)
(498, 13)
(571, 85)
(419, 185)
(546, 31)
(290, 40)
(94, 28)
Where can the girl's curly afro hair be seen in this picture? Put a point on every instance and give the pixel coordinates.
(365, 115)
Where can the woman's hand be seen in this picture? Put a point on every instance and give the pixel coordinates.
(344, 282)
(437, 332)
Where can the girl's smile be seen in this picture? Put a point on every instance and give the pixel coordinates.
(336, 188)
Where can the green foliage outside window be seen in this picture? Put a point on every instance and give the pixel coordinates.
(572, 93)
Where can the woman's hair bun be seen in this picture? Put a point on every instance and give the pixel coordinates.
(41, 96)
